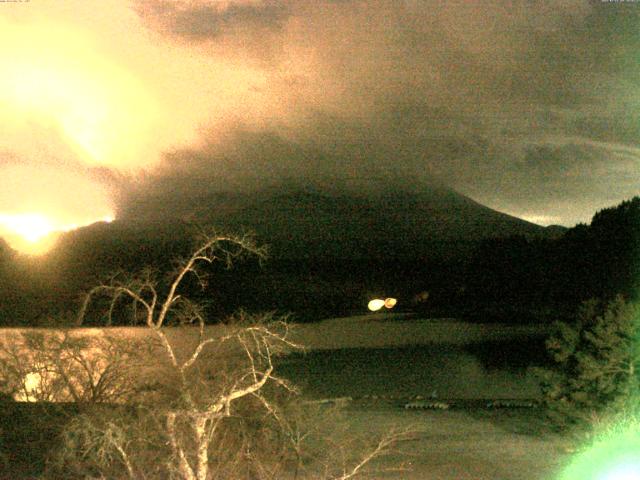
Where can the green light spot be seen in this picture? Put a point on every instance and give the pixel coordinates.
(615, 456)
(623, 472)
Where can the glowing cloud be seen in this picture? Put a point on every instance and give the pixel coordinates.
(66, 108)
(36, 200)
(52, 76)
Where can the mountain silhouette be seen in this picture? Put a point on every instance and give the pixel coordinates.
(320, 224)
(329, 249)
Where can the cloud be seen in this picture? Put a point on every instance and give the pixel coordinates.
(529, 107)
(254, 21)
(564, 179)
(337, 156)
(206, 20)
(43, 174)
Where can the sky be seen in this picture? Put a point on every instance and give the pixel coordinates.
(529, 107)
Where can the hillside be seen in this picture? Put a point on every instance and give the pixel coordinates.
(328, 250)
(312, 224)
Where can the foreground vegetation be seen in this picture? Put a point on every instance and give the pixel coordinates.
(497, 443)
(210, 407)
(596, 376)
(215, 405)
(507, 436)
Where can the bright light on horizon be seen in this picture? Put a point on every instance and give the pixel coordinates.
(542, 220)
(33, 233)
(377, 303)
(30, 226)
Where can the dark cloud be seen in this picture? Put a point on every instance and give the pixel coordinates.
(253, 23)
(530, 107)
(210, 20)
(338, 156)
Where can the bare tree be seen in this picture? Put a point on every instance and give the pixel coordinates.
(209, 404)
(194, 414)
(67, 366)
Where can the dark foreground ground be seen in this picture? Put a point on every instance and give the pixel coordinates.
(380, 366)
(466, 444)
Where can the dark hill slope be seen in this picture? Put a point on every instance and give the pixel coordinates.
(315, 225)
(329, 250)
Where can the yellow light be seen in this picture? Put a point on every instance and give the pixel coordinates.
(34, 233)
(375, 304)
(54, 77)
(30, 226)
(32, 388)
(390, 302)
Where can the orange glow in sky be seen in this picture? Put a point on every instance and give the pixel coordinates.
(34, 233)
(65, 110)
(87, 86)
(52, 76)
(32, 227)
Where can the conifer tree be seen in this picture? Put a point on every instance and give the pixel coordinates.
(596, 364)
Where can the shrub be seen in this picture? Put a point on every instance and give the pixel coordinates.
(67, 366)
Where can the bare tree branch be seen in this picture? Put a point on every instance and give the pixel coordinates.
(202, 389)
(382, 448)
(184, 467)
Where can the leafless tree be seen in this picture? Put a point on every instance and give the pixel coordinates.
(194, 414)
(210, 404)
(66, 366)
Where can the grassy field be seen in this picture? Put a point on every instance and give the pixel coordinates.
(383, 362)
(470, 444)
(457, 444)
(386, 355)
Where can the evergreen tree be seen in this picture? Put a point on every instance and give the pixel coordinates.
(597, 360)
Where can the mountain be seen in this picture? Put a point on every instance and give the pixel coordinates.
(330, 249)
(555, 231)
(313, 224)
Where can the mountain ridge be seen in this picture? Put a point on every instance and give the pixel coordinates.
(312, 222)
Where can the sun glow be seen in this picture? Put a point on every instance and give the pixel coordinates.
(35, 233)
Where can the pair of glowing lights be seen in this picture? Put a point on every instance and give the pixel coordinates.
(377, 304)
